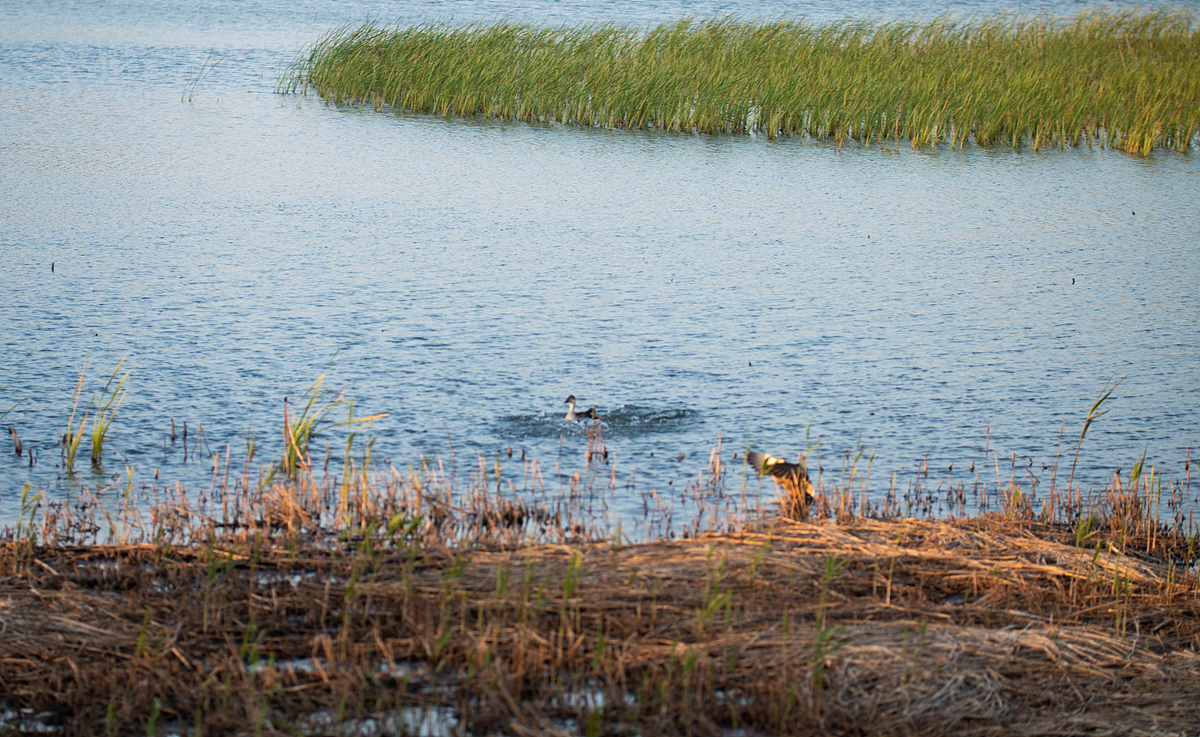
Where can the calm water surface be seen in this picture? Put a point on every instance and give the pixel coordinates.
(470, 274)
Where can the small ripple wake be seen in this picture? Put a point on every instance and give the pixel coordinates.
(624, 421)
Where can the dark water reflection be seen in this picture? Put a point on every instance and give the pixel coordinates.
(625, 421)
(470, 274)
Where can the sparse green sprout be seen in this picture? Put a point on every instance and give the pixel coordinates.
(1093, 414)
(189, 91)
(571, 581)
(298, 430)
(401, 529)
(29, 509)
(1086, 529)
(73, 436)
(10, 409)
(108, 401)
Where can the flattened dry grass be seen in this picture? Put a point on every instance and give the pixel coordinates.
(1128, 79)
(982, 626)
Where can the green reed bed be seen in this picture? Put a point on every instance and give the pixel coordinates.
(1118, 78)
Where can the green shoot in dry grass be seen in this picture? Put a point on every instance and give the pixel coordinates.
(30, 506)
(824, 644)
(1094, 413)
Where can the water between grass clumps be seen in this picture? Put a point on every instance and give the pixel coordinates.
(952, 312)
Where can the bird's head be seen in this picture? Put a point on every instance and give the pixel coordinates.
(770, 462)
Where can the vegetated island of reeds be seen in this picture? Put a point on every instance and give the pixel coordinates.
(376, 601)
(1128, 79)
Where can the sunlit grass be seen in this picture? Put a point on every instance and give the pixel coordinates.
(299, 428)
(1120, 78)
(108, 401)
(74, 435)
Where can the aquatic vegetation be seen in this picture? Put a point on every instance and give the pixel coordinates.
(189, 90)
(6, 412)
(1093, 414)
(108, 401)
(74, 435)
(12, 431)
(1127, 79)
(299, 430)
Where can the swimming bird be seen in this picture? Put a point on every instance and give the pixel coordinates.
(796, 491)
(572, 415)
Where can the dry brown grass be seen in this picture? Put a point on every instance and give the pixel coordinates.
(977, 626)
(363, 601)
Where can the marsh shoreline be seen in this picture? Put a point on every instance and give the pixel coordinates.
(991, 625)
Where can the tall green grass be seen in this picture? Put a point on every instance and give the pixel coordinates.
(1121, 78)
(108, 401)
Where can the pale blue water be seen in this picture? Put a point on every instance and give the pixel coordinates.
(470, 274)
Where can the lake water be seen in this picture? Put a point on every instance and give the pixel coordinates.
(469, 275)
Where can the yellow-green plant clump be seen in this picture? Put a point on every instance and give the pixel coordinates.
(1118, 78)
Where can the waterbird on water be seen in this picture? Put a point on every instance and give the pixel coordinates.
(572, 415)
(791, 478)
